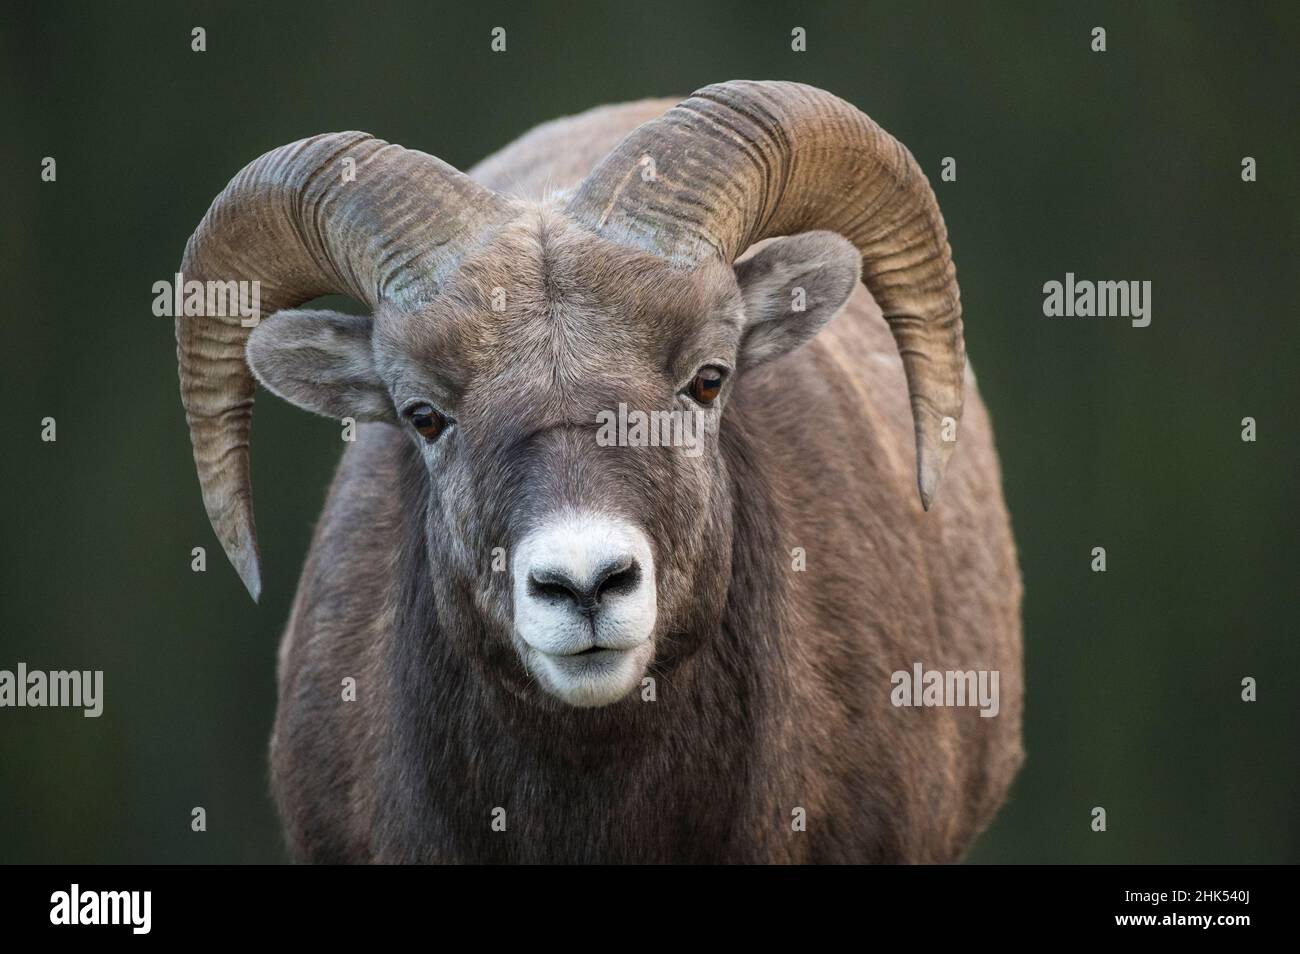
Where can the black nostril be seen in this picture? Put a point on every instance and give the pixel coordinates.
(617, 578)
(550, 585)
(620, 576)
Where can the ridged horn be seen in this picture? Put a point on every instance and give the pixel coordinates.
(742, 161)
(339, 213)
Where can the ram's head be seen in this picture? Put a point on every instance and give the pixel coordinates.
(505, 336)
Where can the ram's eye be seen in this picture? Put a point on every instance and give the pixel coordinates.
(707, 384)
(426, 421)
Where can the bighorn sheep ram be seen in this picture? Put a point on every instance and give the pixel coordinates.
(680, 657)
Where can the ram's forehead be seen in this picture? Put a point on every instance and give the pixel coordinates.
(543, 295)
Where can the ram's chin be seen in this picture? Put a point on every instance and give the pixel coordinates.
(592, 679)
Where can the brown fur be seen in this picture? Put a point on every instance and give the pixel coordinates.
(773, 685)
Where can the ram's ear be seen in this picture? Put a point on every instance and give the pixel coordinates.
(791, 287)
(322, 362)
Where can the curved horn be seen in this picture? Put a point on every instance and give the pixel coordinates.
(302, 222)
(742, 161)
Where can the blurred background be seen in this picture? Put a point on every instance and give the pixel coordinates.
(1121, 165)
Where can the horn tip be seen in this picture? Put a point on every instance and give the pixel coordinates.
(928, 483)
(249, 569)
(929, 472)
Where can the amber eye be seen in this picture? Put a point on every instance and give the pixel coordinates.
(426, 421)
(707, 384)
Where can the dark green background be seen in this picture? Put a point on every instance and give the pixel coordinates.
(1119, 165)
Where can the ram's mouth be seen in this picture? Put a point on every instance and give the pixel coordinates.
(589, 661)
(595, 676)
